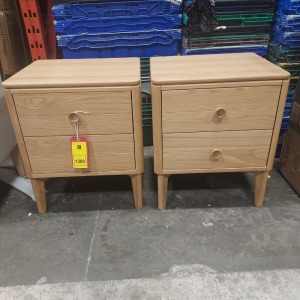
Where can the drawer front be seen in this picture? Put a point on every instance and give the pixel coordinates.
(106, 153)
(216, 150)
(46, 114)
(239, 108)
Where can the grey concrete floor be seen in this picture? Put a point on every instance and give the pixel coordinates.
(210, 240)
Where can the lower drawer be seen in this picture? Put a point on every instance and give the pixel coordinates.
(216, 150)
(52, 155)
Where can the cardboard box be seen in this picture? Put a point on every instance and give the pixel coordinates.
(290, 156)
(7, 5)
(13, 50)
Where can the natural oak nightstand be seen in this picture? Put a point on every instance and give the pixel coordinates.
(104, 93)
(216, 113)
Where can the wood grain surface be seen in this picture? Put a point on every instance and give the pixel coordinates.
(239, 149)
(213, 68)
(46, 114)
(49, 155)
(245, 108)
(77, 72)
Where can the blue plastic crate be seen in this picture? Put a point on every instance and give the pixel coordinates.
(289, 23)
(125, 24)
(284, 124)
(287, 112)
(260, 50)
(286, 40)
(289, 99)
(123, 44)
(115, 9)
(282, 37)
(291, 7)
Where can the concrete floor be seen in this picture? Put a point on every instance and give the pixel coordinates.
(210, 242)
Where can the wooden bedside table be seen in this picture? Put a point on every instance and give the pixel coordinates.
(216, 113)
(106, 96)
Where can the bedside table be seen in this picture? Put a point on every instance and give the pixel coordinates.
(216, 113)
(102, 97)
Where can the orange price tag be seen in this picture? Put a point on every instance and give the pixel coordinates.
(79, 149)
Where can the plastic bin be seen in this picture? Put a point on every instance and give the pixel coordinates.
(284, 124)
(286, 41)
(115, 9)
(226, 40)
(230, 30)
(245, 19)
(145, 69)
(293, 69)
(278, 55)
(245, 6)
(289, 99)
(291, 7)
(134, 23)
(282, 37)
(287, 112)
(125, 44)
(293, 84)
(290, 45)
(288, 23)
(262, 51)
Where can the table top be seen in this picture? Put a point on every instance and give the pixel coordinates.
(65, 73)
(213, 68)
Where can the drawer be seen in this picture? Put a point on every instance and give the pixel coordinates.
(236, 108)
(46, 114)
(216, 150)
(106, 153)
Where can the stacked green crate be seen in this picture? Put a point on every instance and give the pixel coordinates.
(243, 26)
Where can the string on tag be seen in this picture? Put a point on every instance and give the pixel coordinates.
(81, 112)
(76, 127)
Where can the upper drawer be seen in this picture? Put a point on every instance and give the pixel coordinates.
(219, 109)
(46, 114)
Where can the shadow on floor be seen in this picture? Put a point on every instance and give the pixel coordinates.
(210, 190)
(115, 192)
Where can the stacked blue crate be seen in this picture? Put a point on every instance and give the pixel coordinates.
(284, 48)
(243, 26)
(118, 28)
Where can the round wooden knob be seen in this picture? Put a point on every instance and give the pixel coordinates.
(220, 113)
(216, 154)
(73, 117)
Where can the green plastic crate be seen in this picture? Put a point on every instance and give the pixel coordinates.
(226, 40)
(293, 69)
(247, 19)
(277, 55)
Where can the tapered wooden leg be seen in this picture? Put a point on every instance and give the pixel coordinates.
(162, 185)
(136, 181)
(38, 186)
(261, 179)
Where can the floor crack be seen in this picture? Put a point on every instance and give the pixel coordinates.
(92, 239)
